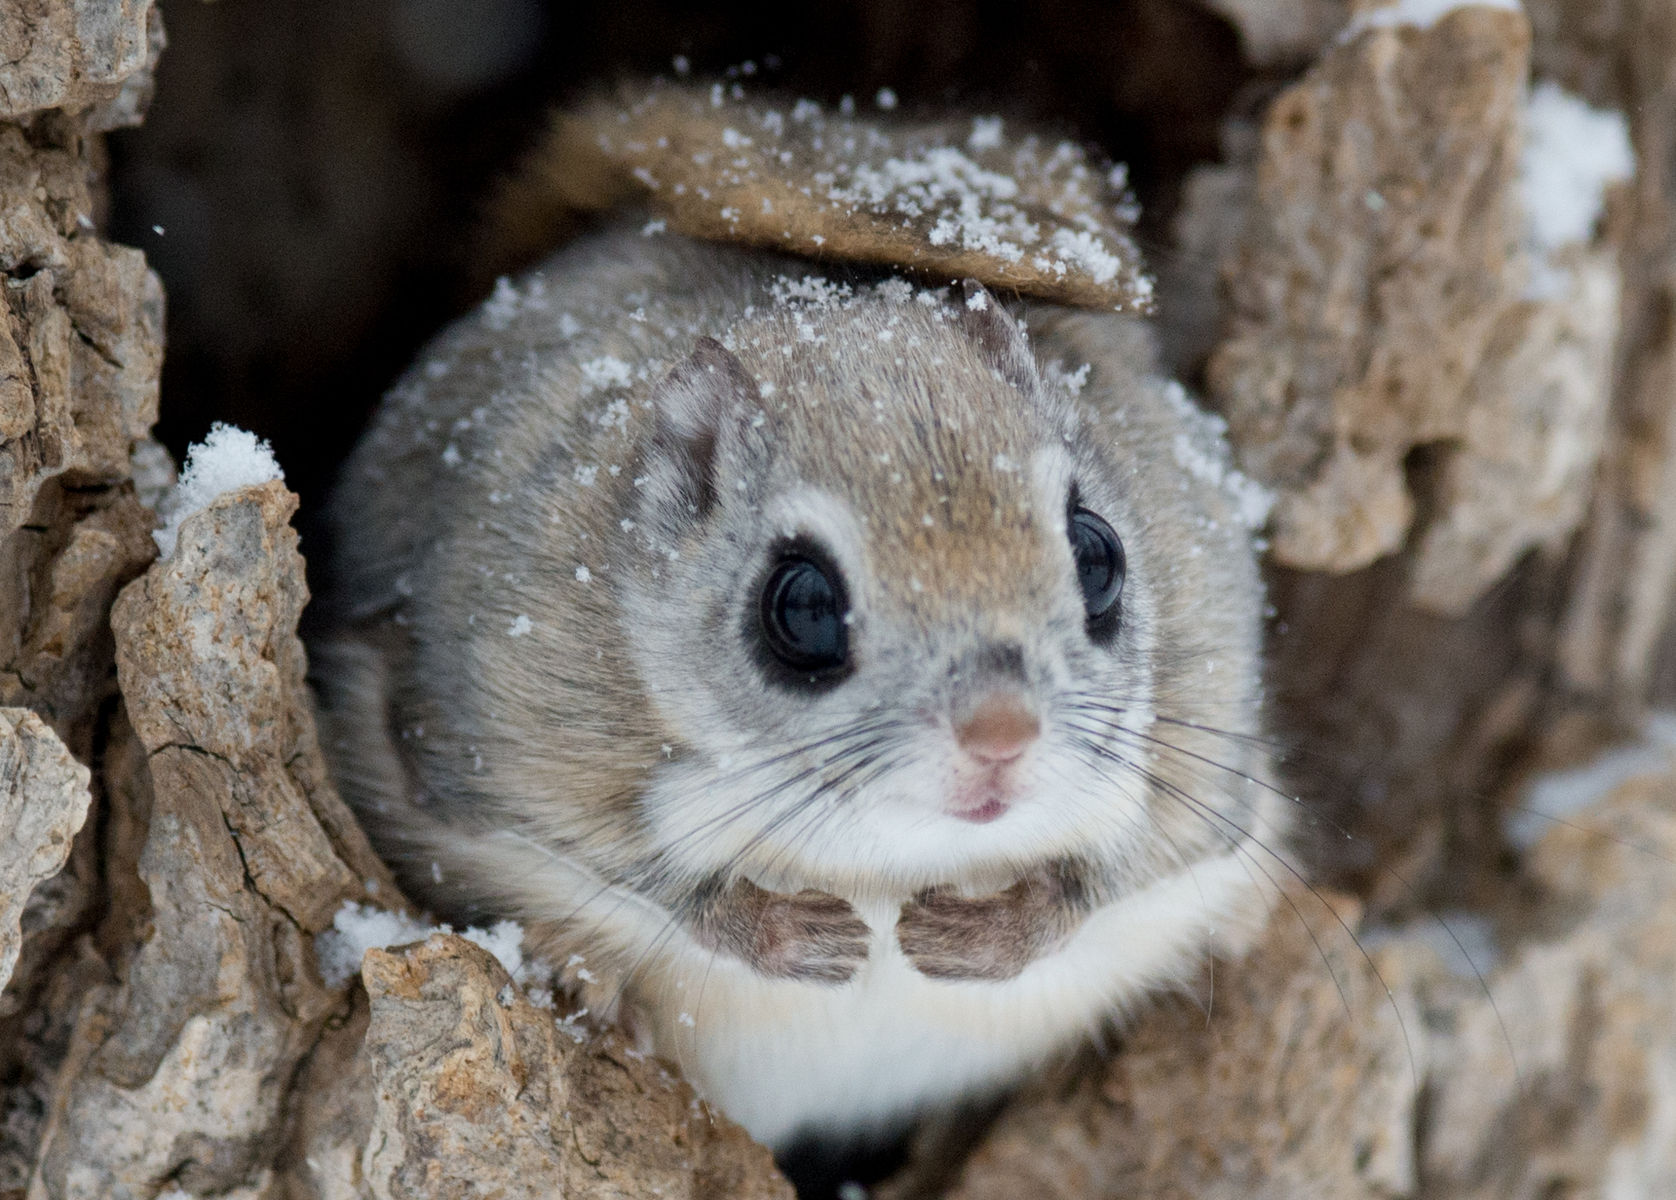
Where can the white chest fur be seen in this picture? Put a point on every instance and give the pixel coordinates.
(783, 1057)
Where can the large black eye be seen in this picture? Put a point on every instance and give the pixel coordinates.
(1099, 556)
(803, 615)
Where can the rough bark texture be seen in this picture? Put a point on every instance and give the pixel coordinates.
(461, 1088)
(1472, 543)
(1474, 553)
(43, 802)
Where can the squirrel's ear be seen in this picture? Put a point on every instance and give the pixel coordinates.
(992, 327)
(695, 403)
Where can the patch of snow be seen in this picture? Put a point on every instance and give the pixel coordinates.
(1572, 154)
(357, 928)
(811, 291)
(1085, 250)
(504, 940)
(1557, 796)
(227, 459)
(1202, 451)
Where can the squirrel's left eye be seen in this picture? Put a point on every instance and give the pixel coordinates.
(1100, 565)
(801, 612)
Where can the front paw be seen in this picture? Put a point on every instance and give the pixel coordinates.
(809, 936)
(947, 936)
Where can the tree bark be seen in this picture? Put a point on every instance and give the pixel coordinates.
(1471, 561)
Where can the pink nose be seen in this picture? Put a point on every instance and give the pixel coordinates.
(999, 730)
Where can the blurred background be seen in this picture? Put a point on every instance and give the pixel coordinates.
(310, 177)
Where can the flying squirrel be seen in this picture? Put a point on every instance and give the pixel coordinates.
(862, 678)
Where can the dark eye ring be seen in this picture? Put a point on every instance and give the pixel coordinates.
(801, 615)
(1100, 562)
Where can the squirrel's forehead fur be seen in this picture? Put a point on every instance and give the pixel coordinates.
(896, 411)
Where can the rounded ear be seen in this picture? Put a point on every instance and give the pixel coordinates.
(999, 337)
(694, 405)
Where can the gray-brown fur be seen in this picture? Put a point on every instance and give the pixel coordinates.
(810, 935)
(538, 681)
(949, 936)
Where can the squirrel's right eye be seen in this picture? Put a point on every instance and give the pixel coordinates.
(802, 616)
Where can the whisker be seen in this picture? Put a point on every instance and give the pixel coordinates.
(1431, 914)
(1212, 817)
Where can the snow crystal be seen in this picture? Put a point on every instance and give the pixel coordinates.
(986, 134)
(885, 99)
(894, 291)
(1572, 154)
(810, 292)
(604, 372)
(978, 301)
(501, 306)
(934, 173)
(153, 472)
(1071, 381)
(583, 575)
(1086, 251)
(521, 624)
(1421, 14)
(227, 459)
(1556, 796)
